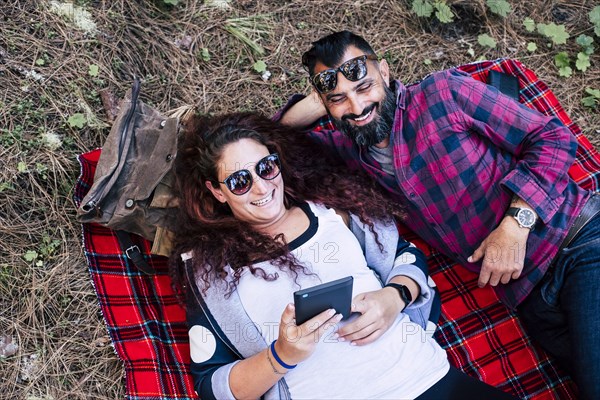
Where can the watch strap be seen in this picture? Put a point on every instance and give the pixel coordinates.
(403, 291)
(512, 211)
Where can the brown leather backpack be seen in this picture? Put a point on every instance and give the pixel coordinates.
(132, 183)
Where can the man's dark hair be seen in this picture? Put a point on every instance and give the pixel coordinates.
(330, 49)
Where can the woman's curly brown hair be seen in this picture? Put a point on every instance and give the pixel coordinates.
(208, 229)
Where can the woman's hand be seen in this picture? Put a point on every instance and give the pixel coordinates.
(379, 310)
(296, 343)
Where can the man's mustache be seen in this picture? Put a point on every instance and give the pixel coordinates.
(365, 112)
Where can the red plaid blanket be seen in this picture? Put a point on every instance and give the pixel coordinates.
(483, 338)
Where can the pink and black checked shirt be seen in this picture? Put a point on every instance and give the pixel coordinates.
(461, 150)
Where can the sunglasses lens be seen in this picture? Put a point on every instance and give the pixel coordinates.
(355, 69)
(239, 182)
(325, 81)
(268, 167)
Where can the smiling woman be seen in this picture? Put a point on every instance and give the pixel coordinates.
(265, 214)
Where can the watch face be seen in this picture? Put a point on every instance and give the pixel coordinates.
(526, 217)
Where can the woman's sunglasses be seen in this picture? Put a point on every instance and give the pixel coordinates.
(240, 182)
(354, 70)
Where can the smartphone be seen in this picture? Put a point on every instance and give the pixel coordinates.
(314, 300)
(505, 83)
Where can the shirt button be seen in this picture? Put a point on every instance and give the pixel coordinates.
(412, 194)
(129, 203)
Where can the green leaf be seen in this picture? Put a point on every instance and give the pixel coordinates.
(77, 120)
(584, 40)
(529, 24)
(594, 92)
(486, 40)
(444, 13)
(595, 16)
(565, 72)
(260, 66)
(21, 167)
(422, 8)
(471, 52)
(205, 54)
(589, 101)
(556, 33)
(562, 60)
(40, 61)
(30, 255)
(583, 62)
(500, 7)
(427, 61)
(171, 2)
(93, 70)
(531, 47)
(589, 50)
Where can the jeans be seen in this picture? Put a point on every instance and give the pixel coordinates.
(563, 311)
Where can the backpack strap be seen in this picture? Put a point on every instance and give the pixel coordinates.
(133, 252)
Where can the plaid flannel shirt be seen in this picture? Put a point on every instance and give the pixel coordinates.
(461, 151)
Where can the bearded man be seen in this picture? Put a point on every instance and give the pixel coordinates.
(483, 178)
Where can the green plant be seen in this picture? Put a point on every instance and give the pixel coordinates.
(246, 27)
(593, 99)
(77, 120)
(486, 40)
(558, 35)
(563, 62)
(260, 66)
(425, 8)
(595, 19)
(93, 70)
(499, 7)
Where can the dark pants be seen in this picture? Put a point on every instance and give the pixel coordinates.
(563, 312)
(457, 385)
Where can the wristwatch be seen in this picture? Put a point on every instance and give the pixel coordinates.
(404, 292)
(525, 217)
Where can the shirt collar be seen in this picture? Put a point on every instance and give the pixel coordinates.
(400, 91)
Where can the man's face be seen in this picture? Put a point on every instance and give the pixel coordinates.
(363, 110)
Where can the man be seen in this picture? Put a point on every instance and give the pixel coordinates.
(482, 178)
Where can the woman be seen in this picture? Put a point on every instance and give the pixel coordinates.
(264, 213)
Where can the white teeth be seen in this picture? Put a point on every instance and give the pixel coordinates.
(263, 201)
(363, 118)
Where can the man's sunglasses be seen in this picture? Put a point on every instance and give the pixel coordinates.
(354, 70)
(240, 182)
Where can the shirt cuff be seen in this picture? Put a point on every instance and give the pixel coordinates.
(524, 186)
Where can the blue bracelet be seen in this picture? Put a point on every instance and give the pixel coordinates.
(284, 365)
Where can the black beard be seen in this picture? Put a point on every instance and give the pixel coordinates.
(375, 131)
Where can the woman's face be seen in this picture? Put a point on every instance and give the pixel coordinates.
(263, 204)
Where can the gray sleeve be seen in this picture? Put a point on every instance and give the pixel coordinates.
(220, 382)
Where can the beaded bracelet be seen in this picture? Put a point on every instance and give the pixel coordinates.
(284, 365)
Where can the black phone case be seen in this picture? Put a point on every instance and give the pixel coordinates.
(505, 83)
(312, 301)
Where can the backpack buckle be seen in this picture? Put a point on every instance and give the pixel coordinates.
(133, 248)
